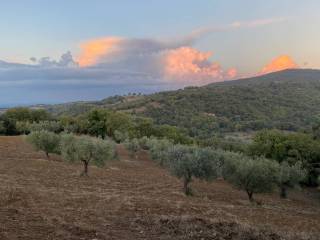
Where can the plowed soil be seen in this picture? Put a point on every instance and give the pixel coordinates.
(135, 199)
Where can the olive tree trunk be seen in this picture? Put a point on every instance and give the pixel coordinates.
(186, 188)
(85, 168)
(283, 192)
(250, 196)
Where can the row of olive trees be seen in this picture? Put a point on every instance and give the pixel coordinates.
(253, 175)
(24, 127)
(84, 149)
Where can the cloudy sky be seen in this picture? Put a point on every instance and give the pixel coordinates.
(59, 51)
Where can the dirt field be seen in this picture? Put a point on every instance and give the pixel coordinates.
(135, 199)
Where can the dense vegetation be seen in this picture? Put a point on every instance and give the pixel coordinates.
(250, 174)
(273, 159)
(183, 132)
(287, 100)
(291, 149)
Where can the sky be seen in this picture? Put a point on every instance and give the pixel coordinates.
(60, 51)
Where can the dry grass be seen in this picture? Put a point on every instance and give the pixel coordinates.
(135, 199)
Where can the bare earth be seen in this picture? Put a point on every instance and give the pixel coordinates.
(135, 199)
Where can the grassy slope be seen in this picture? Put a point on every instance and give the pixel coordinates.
(134, 199)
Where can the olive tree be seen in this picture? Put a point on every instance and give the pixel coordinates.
(159, 149)
(190, 162)
(143, 143)
(251, 175)
(23, 127)
(120, 136)
(290, 176)
(132, 146)
(68, 147)
(87, 150)
(51, 126)
(45, 141)
(2, 128)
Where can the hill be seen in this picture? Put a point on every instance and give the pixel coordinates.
(288, 100)
(136, 199)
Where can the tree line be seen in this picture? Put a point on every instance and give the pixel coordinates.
(273, 158)
(82, 149)
(250, 174)
(97, 122)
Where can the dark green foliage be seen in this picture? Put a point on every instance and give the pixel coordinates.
(316, 131)
(16, 120)
(26, 114)
(97, 123)
(121, 126)
(251, 175)
(143, 127)
(290, 147)
(8, 126)
(224, 144)
(177, 135)
(287, 100)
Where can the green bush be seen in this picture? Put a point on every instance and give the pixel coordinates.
(45, 141)
(251, 175)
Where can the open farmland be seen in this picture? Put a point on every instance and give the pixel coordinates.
(135, 199)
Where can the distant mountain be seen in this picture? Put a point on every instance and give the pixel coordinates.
(288, 100)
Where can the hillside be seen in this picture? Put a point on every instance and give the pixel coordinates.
(288, 100)
(135, 199)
